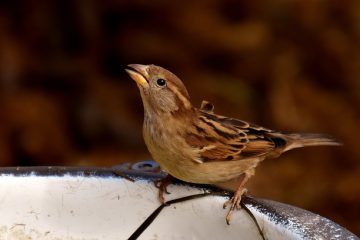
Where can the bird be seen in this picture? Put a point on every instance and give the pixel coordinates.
(198, 146)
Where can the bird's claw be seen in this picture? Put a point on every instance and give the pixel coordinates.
(162, 186)
(235, 204)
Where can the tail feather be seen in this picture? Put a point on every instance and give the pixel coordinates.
(298, 140)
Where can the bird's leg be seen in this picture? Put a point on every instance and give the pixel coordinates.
(162, 186)
(236, 198)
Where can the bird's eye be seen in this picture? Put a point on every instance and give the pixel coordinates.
(161, 82)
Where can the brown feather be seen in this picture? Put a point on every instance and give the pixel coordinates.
(207, 107)
(197, 145)
(235, 139)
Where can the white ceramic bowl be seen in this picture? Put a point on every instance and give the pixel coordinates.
(94, 203)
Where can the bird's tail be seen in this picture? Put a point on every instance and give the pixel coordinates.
(298, 140)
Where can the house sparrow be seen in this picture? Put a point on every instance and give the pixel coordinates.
(198, 146)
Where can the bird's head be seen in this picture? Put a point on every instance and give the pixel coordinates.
(161, 91)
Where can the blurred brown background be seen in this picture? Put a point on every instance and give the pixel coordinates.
(289, 65)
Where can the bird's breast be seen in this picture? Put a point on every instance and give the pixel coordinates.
(167, 146)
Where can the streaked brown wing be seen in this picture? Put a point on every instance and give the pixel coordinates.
(219, 138)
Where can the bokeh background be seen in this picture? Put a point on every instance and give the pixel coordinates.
(291, 65)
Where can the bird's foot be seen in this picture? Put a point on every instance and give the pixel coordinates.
(234, 202)
(162, 186)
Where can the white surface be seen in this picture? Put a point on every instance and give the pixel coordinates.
(108, 208)
(69, 207)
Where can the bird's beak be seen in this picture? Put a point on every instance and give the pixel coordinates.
(139, 74)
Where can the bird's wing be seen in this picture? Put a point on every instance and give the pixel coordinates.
(218, 138)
